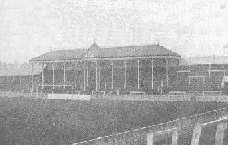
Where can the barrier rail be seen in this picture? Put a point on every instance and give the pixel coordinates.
(13, 94)
(180, 123)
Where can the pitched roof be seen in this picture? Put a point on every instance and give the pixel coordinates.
(94, 51)
(60, 55)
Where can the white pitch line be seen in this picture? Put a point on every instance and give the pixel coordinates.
(92, 140)
(100, 137)
(83, 142)
(126, 132)
(136, 129)
(214, 121)
(119, 134)
(143, 128)
(106, 136)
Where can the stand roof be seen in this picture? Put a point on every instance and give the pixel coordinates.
(94, 51)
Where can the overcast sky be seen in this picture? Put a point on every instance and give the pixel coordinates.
(29, 28)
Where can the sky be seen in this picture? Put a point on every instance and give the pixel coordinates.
(29, 28)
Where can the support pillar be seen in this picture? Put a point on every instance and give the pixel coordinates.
(152, 74)
(112, 76)
(96, 76)
(150, 139)
(138, 76)
(196, 134)
(219, 136)
(99, 76)
(209, 70)
(20, 77)
(175, 137)
(53, 76)
(87, 75)
(32, 79)
(84, 77)
(125, 74)
(167, 73)
(42, 77)
(64, 75)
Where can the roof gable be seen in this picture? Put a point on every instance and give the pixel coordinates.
(92, 51)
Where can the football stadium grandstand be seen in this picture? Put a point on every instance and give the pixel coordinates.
(145, 69)
(120, 70)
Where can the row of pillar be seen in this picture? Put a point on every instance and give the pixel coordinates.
(219, 136)
(85, 74)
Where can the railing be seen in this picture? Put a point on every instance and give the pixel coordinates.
(139, 134)
(137, 93)
(11, 94)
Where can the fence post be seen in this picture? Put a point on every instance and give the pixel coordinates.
(220, 133)
(196, 134)
(150, 139)
(175, 137)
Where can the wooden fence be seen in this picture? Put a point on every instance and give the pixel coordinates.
(144, 135)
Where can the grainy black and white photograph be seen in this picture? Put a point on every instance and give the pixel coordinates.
(113, 72)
